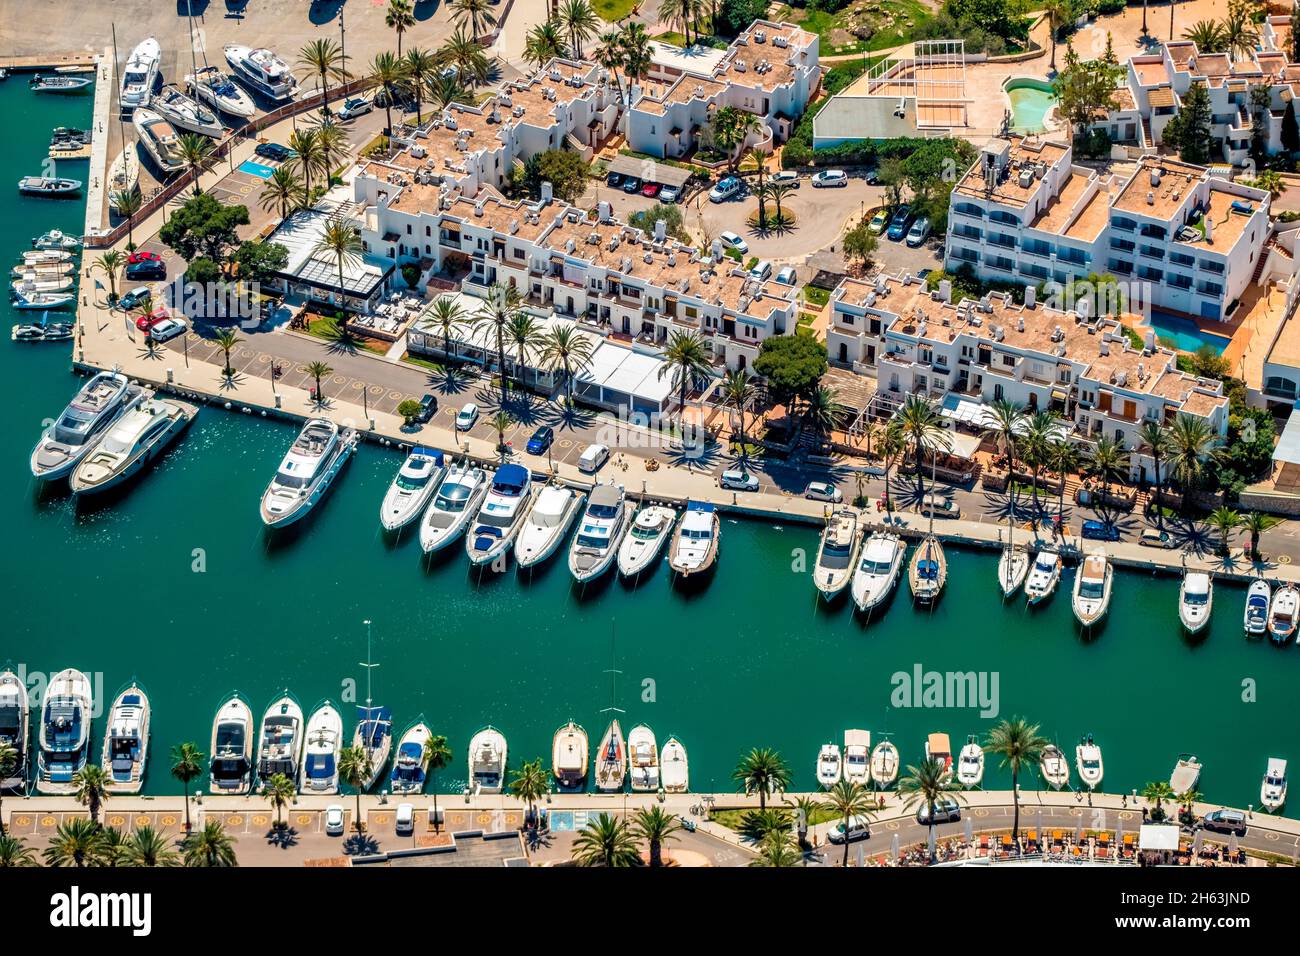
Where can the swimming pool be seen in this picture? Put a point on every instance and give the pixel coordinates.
(1031, 101)
(1184, 333)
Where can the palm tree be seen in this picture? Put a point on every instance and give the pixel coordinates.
(922, 428)
(399, 18)
(1153, 440)
(76, 842)
(848, 800)
(1225, 521)
(525, 334)
(1063, 458)
(445, 90)
(1109, 462)
(500, 422)
(333, 140)
(1058, 12)
(1256, 523)
(823, 411)
(112, 848)
(389, 72)
(892, 446)
(677, 11)
(531, 783)
(1187, 799)
(1005, 419)
(738, 391)
(1019, 744)
(211, 846)
(476, 13)
(15, 853)
(438, 755)
(656, 828)
(279, 792)
(341, 239)
(466, 54)
(637, 54)
(283, 192)
(444, 315)
(355, 767)
(148, 848)
(579, 21)
(318, 370)
(777, 192)
(609, 54)
(927, 785)
(756, 158)
(1158, 791)
(762, 771)
(498, 309)
(309, 158)
(226, 340)
(544, 43)
(91, 785)
(1239, 34)
(1040, 428)
(325, 58)
(195, 152)
(187, 766)
(778, 849)
(686, 357)
(1192, 440)
(605, 841)
(109, 264)
(128, 203)
(806, 806)
(420, 65)
(566, 348)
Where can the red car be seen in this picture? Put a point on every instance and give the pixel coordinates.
(146, 322)
(139, 256)
(650, 190)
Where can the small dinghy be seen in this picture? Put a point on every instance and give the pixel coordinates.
(1272, 792)
(48, 186)
(1055, 770)
(40, 300)
(59, 84)
(884, 764)
(56, 239)
(1043, 578)
(1195, 599)
(1282, 613)
(1087, 760)
(828, 765)
(970, 762)
(57, 332)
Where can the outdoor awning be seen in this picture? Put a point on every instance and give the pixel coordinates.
(1158, 836)
(1058, 395)
(643, 167)
(963, 445)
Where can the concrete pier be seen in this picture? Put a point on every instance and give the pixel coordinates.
(97, 177)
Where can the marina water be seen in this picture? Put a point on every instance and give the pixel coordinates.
(175, 582)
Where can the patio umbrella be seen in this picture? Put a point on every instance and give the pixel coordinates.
(1078, 830)
(1232, 843)
(968, 829)
(862, 855)
(1197, 842)
(930, 843)
(893, 850)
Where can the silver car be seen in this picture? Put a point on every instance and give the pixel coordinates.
(823, 491)
(737, 479)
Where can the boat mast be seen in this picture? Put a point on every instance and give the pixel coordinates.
(613, 673)
(369, 667)
(194, 62)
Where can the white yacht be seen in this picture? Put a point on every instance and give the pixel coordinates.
(857, 756)
(280, 744)
(1257, 600)
(611, 759)
(374, 735)
(569, 753)
(928, 572)
(970, 763)
(694, 548)
(45, 257)
(837, 554)
(1186, 773)
(43, 270)
(415, 483)
(828, 765)
(1284, 613)
(160, 139)
(315, 457)
(1195, 600)
(134, 440)
(64, 743)
(651, 527)
(878, 569)
(96, 406)
(231, 770)
(643, 759)
(139, 74)
(600, 530)
(1054, 767)
(1043, 577)
(1087, 760)
(217, 90)
(487, 761)
(884, 764)
(1272, 792)
(34, 282)
(56, 239)
(411, 764)
(126, 742)
(15, 729)
(501, 515)
(1092, 585)
(1013, 565)
(674, 766)
(320, 756)
(123, 175)
(263, 71)
(547, 524)
(185, 112)
(454, 504)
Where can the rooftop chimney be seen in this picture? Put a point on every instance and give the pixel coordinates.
(1031, 296)
(945, 290)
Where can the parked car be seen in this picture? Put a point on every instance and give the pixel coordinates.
(592, 458)
(358, 106)
(823, 491)
(669, 194)
(919, 232)
(878, 222)
(466, 417)
(273, 151)
(761, 270)
(873, 178)
(858, 830)
(899, 222)
(1101, 530)
(1155, 538)
(725, 188)
(614, 179)
(135, 298)
(737, 479)
(943, 507)
(141, 255)
(1225, 821)
(946, 810)
(146, 322)
(734, 241)
(166, 329)
(404, 819)
(787, 276)
(650, 190)
(428, 407)
(830, 178)
(631, 185)
(334, 819)
(146, 269)
(541, 440)
(786, 177)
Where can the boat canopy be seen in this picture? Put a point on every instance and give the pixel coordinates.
(938, 744)
(700, 506)
(857, 738)
(433, 453)
(511, 478)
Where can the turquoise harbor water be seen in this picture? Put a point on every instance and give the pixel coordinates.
(750, 659)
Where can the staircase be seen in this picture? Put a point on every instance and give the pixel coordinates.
(1271, 246)
(1147, 139)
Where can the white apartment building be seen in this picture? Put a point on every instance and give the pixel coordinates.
(1182, 240)
(918, 342)
(770, 70)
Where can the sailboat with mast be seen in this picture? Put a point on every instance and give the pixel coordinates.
(611, 758)
(929, 568)
(374, 732)
(1013, 563)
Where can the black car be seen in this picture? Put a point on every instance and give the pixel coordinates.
(541, 440)
(149, 269)
(273, 151)
(428, 406)
(614, 179)
(1100, 530)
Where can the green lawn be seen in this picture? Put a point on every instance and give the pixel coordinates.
(613, 10)
(898, 21)
(325, 327)
(815, 295)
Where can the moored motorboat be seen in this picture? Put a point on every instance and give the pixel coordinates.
(262, 70)
(611, 759)
(569, 754)
(645, 538)
(320, 755)
(1284, 613)
(454, 505)
(837, 553)
(829, 765)
(56, 239)
(878, 569)
(857, 756)
(93, 410)
(216, 89)
(415, 483)
(928, 572)
(32, 332)
(1054, 767)
(1258, 597)
(694, 547)
(643, 759)
(43, 270)
(970, 763)
(600, 531)
(487, 761)
(411, 760)
(316, 456)
(33, 282)
(1272, 791)
(231, 770)
(938, 747)
(1087, 760)
(185, 112)
(44, 301)
(139, 74)
(1186, 774)
(502, 514)
(546, 525)
(1195, 600)
(135, 439)
(1013, 565)
(160, 139)
(884, 764)
(41, 257)
(126, 741)
(674, 766)
(1092, 587)
(63, 747)
(15, 729)
(46, 83)
(1043, 577)
(280, 741)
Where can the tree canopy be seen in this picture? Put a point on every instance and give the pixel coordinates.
(792, 365)
(204, 226)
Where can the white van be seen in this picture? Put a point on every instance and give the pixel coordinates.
(761, 270)
(593, 457)
(858, 830)
(405, 818)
